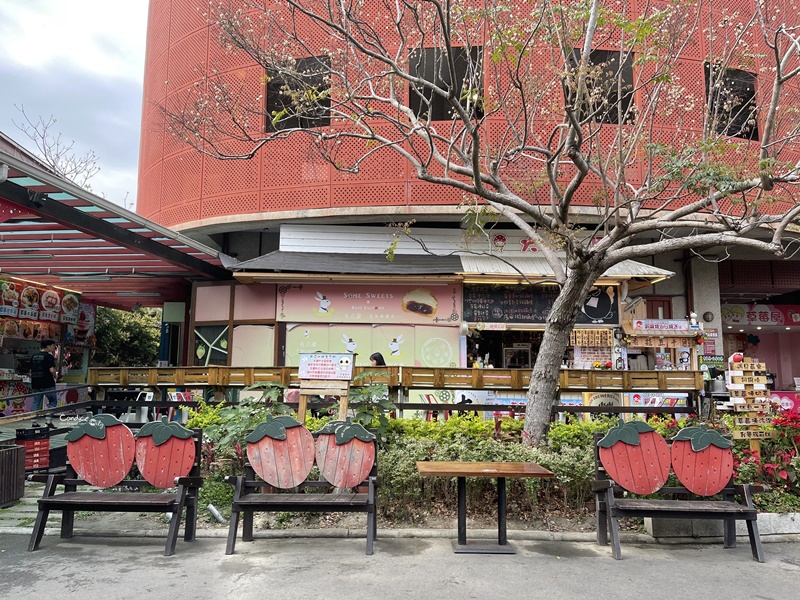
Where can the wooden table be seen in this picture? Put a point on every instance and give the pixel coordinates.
(500, 470)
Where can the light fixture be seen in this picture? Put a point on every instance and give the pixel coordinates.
(788, 329)
(86, 278)
(708, 316)
(730, 326)
(134, 294)
(759, 328)
(741, 331)
(29, 256)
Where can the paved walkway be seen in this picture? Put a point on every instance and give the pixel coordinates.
(101, 562)
(98, 568)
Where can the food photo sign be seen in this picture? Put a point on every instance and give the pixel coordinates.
(23, 300)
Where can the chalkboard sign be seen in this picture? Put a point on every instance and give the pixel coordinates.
(532, 304)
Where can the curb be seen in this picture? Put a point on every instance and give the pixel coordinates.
(482, 534)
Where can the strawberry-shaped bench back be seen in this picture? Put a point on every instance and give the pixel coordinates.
(635, 457)
(702, 460)
(164, 450)
(345, 453)
(101, 450)
(281, 451)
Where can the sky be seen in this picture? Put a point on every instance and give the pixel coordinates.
(82, 63)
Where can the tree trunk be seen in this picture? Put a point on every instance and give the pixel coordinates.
(541, 395)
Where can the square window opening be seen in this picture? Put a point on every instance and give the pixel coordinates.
(299, 98)
(431, 65)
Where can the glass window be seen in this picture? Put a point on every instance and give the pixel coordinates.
(609, 87)
(732, 101)
(431, 65)
(299, 96)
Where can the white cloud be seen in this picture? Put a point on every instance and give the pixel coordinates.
(99, 36)
(82, 62)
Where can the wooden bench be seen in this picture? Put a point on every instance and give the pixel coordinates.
(701, 459)
(281, 453)
(101, 452)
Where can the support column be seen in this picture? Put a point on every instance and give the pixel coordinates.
(705, 297)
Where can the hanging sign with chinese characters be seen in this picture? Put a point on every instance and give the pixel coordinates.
(760, 314)
(23, 300)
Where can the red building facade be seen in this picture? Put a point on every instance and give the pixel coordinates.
(179, 187)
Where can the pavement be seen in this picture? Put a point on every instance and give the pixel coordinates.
(102, 561)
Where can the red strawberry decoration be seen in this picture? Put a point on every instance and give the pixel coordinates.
(345, 453)
(702, 460)
(281, 451)
(101, 450)
(164, 450)
(635, 456)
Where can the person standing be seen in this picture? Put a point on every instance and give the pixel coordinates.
(377, 360)
(43, 378)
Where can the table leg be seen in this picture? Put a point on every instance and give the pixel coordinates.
(462, 511)
(502, 539)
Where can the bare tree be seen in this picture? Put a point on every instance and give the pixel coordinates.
(56, 153)
(578, 123)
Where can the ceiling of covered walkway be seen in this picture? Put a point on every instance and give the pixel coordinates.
(56, 234)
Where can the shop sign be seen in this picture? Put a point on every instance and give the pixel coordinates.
(81, 333)
(659, 326)
(602, 399)
(375, 304)
(760, 314)
(23, 301)
(330, 367)
(532, 304)
(788, 401)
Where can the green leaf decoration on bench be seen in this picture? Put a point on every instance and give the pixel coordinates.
(702, 437)
(344, 431)
(625, 432)
(164, 430)
(273, 428)
(93, 426)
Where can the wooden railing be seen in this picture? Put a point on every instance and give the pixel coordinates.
(406, 377)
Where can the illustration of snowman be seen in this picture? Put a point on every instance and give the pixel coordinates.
(349, 343)
(394, 345)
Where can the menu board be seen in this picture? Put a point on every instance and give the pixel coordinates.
(319, 365)
(22, 300)
(532, 304)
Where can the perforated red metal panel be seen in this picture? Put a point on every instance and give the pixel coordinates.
(187, 60)
(222, 176)
(430, 193)
(148, 196)
(294, 162)
(186, 18)
(368, 195)
(786, 273)
(229, 205)
(183, 213)
(181, 179)
(752, 273)
(297, 198)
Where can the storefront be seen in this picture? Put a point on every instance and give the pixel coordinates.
(506, 324)
(29, 314)
(272, 324)
(767, 333)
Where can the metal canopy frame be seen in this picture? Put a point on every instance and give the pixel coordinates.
(54, 233)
